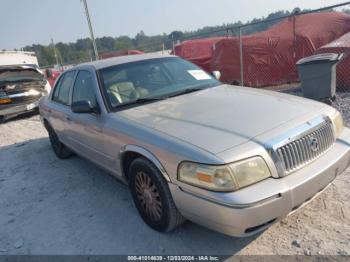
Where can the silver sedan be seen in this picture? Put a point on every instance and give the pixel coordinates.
(230, 158)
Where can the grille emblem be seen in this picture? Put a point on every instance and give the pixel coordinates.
(314, 145)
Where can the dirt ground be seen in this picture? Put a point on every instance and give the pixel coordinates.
(52, 206)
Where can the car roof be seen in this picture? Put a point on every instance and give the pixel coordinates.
(100, 64)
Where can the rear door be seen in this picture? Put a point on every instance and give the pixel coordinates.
(85, 130)
(60, 106)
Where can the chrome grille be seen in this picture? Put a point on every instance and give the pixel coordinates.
(303, 150)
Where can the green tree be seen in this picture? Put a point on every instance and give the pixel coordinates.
(123, 42)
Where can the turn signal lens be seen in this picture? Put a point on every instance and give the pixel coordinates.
(5, 101)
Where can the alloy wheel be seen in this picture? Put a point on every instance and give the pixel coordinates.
(148, 195)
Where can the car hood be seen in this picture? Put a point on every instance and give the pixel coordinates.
(219, 118)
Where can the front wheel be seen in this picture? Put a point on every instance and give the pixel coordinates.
(152, 196)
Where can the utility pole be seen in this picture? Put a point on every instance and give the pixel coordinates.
(241, 56)
(90, 28)
(54, 50)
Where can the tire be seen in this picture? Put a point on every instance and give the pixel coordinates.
(61, 151)
(152, 196)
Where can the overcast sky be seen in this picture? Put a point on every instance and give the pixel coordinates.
(25, 22)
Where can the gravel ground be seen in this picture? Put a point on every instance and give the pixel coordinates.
(342, 103)
(52, 206)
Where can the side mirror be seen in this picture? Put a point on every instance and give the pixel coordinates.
(84, 106)
(216, 74)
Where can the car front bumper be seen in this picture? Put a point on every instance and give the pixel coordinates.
(19, 109)
(253, 209)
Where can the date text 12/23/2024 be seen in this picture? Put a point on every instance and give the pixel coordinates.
(175, 258)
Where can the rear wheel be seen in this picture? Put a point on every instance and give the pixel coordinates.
(152, 196)
(61, 151)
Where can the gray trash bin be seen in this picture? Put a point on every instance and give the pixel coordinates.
(318, 75)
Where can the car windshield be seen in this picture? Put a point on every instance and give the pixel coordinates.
(151, 80)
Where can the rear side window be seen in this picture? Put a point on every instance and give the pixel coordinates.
(84, 88)
(61, 93)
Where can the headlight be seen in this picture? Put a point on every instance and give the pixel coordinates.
(33, 92)
(338, 123)
(250, 171)
(224, 178)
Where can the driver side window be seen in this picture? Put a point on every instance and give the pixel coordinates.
(84, 88)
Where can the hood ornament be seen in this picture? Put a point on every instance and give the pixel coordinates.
(314, 144)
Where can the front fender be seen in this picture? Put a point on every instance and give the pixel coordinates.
(147, 154)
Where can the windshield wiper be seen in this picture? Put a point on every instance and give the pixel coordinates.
(140, 101)
(185, 91)
(158, 98)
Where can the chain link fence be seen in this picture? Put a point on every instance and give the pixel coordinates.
(269, 57)
(264, 54)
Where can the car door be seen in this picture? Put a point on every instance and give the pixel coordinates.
(85, 130)
(60, 106)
